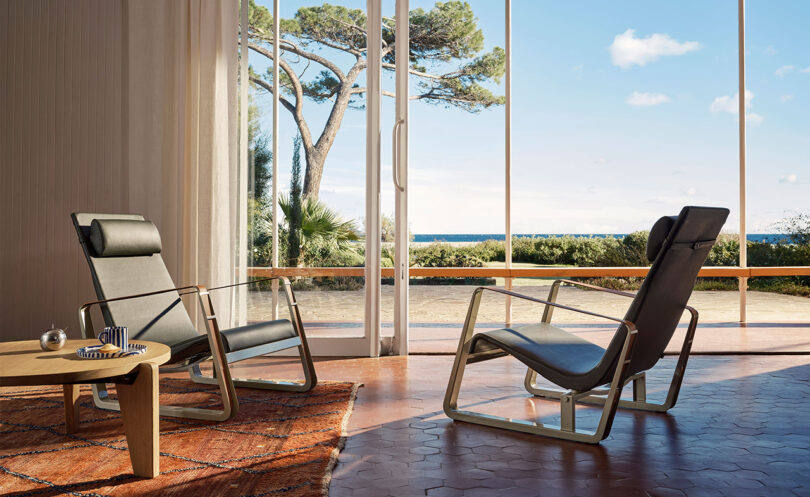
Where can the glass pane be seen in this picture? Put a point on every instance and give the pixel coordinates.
(456, 171)
(623, 113)
(778, 72)
(617, 114)
(321, 156)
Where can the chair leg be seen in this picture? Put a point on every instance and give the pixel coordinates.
(567, 429)
(640, 389)
(598, 396)
(230, 403)
(310, 378)
(639, 401)
(568, 413)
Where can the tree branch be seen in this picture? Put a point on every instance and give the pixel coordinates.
(267, 86)
(357, 52)
(386, 93)
(353, 26)
(424, 96)
(293, 48)
(297, 110)
(420, 74)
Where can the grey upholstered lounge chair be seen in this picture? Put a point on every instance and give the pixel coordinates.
(135, 290)
(587, 373)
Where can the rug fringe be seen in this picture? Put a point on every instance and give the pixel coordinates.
(333, 457)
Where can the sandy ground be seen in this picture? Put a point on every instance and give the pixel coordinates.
(448, 304)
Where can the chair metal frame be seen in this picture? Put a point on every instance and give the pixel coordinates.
(220, 358)
(609, 396)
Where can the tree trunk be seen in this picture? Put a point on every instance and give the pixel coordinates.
(314, 173)
(316, 155)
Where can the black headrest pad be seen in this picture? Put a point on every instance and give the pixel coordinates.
(658, 234)
(124, 237)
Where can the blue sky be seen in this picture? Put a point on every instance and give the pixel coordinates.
(623, 112)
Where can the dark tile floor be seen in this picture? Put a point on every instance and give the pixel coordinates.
(740, 428)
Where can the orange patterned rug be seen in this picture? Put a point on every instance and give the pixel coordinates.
(280, 444)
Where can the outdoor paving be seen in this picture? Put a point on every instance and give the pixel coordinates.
(776, 323)
(448, 304)
(740, 428)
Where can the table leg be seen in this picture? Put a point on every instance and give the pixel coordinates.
(139, 410)
(71, 408)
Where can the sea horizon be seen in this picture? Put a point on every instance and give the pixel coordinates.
(482, 237)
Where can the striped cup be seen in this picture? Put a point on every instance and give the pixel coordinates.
(116, 335)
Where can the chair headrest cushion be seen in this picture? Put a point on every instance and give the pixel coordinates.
(124, 237)
(658, 234)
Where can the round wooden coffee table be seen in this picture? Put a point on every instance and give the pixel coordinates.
(135, 377)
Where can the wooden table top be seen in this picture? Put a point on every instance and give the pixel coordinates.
(25, 363)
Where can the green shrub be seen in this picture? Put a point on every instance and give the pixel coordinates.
(443, 255)
(614, 283)
(584, 252)
(626, 251)
(331, 283)
(446, 255)
(726, 284)
(780, 285)
(489, 250)
(726, 252)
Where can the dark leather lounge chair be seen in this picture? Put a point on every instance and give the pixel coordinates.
(134, 289)
(586, 372)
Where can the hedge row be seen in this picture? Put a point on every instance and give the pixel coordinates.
(594, 252)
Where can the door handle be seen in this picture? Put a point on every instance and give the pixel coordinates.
(395, 147)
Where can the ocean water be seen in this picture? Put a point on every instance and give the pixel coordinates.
(481, 237)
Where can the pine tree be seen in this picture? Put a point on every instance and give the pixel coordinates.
(294, 222)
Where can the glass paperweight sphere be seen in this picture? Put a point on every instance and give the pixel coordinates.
(53, 339)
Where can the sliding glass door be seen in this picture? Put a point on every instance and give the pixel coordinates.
(314, 150)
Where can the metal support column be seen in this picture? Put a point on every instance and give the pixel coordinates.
(400, 173)
(743, 282)
(276, 89)
(373, 242)
(508, 158)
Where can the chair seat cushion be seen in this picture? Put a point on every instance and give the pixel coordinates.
(251, 335)
(565, 359)
(234, 339)
(192, 348)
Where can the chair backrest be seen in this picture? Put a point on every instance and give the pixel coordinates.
(123, 252)
(678, 247)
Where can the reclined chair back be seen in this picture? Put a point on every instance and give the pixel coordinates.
(677, 247)
(123, 252)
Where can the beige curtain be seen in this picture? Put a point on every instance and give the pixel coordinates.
(182, 67)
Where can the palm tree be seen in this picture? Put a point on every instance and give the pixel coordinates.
(322, 229)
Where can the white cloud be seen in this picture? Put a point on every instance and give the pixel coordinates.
(753, 119)
(601, 161)
(784, 71)
(627, 50)
(769, 50)
(578, 68)
(639, 99)
(731, 104)
(786, 98)
(789, 178)
(691, 191)
(806, 70)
